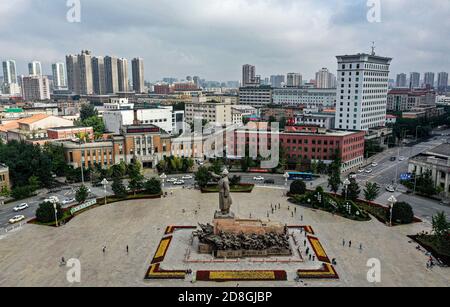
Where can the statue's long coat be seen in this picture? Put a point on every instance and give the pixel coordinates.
(225, 200)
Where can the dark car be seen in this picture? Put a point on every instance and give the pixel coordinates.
(269, 181)
(393, 159)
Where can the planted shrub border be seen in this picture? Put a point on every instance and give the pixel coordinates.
(429, 246)
(241, 188)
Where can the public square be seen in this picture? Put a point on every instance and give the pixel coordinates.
(31, 256)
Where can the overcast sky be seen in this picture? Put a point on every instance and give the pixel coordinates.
(214, 38)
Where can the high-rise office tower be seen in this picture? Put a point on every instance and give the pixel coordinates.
(98, 75)
(35, 68)
(401, 80)
(36, 87)
(9, 72)
(248, 75)
(111, 72)
(197, 81)
(73, 74)
(428, 80)
(277, 80)
(122, 70)
(137, 65)
(325, 79)
(294, 80)
(85, 63)
(362, 90)
(59, 75)
(414, 80)
(442, 82)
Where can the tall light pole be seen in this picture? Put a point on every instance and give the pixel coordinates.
(392, 200)
(163, 178)
(286, 177)
(56, 214)
(346, 184)
(105, 183)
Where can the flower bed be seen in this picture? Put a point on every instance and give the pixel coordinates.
(155, 272)
(327, 272)
(241, 188)
(172, 229)
(224, 276)
(162, 249)
(318, 249)
(427, 242)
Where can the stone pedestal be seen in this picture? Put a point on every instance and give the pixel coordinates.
(221, 216)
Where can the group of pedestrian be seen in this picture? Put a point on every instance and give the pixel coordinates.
(127, 248)
(430, 263)
(350, 244)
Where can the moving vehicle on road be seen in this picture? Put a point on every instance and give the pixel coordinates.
(393, 159)
(20, 207)
(361, 170)
(390, 188)
(352, 176)
(68, 201)
(17, 219)
(374, 164)
(401, 159)
(171, 180)
(369, 171)
(179, 182)
(187, 177)
(259, 178)
(301, 176)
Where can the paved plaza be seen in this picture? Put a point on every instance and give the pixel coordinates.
(31, 256)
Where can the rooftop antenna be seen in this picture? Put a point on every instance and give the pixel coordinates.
(373, 48)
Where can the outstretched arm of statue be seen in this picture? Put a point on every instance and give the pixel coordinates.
(215, 176)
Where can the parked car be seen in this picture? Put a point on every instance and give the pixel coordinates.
(369, 171)
(68, 201)
(352, 176)
(374, 164)
(393, 159)
(361, 170)
(390, 188)
(187, 177)
(259, 178)
(172, 179)
(17, 219)
(179, 182)
(269, 181)
(20, 207)
(402, 159)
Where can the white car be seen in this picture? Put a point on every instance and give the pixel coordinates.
(179, 182)
(361, 170)
(187, 177)
(172, 180)
(369, 171)
(20, 207)
(68, 201)
(259, 178)
(16, 219)
(374, 164)
(401, 159)
(390, 188)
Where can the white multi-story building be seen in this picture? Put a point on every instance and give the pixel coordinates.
(294, 80)
(260, 96)
(362, 91)
(9, 72)
(138, 75)
(414, 80)
(36, 87)
(443, 100)
(310, 98)
(59, 75)
(238, 112)
(322, 120)
(209, 109)
(122, 71)
(428, 80)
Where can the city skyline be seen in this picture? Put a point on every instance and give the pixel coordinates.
(178, 44)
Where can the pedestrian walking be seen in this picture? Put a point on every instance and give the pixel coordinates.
(350, 244)
(302, 218)
(104, 249)
(310, 257)
(304, 243)
(360, 246)
(343, 242)
(314, 258)
(292, 214)
(127, 249)
(295, 210)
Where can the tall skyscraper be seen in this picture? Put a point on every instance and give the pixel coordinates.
(35, 68)
(357, 109)
(428, 80)
(294, 80)
(414, 80)
(248, 75)
(36, 87)
(197, 81)
(73, 74)
(277, 80)
(122, 70)
(59, 75)
(401, 80)
(111, 72)
(325, 79)
(98, 75)
(442, 82)
(137, 66)
(86, 83)
(9, 72)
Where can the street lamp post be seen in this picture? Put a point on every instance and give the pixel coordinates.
(56, 214)
(346, 184)
(105, 183)
(392, 200)
(286, 177)
(163, 178)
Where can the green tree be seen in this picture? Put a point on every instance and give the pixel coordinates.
(371, 191)
(136, 179)
(46, 212)
(119, 188)
(202, 176)
(87, 111)
(334, 181)
(425, 184)
(57, 158)
(353, 191)
(298, 187)
(235, 180)
(402, 213)
(153, 186)
(34, 183)
(82, 194)
(119, 170)
(22, 192)
(441, 227)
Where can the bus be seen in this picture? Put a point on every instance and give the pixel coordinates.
(301, 176)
